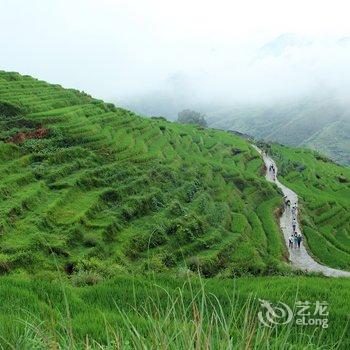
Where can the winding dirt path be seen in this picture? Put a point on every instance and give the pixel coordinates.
(299, 257)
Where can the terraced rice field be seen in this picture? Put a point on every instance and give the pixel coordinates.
(104, 190)
(106, 218)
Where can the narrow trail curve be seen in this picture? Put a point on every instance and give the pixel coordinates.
(299, 258)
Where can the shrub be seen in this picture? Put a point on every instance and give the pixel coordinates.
(158, 118)
(5, 265)
(90, 240)
(110, 232)
(235, 151)
(111, 107)
(175, 208)
(191, 189)
(190, 228)
(191, 117)
(9, 109)
(154, 263)
(75, 236)
(208, 267)
(85, 278)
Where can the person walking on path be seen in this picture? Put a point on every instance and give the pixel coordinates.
(299, 239)
(295, 240)
(273, 173)
(291, 241)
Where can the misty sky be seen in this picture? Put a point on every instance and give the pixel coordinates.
(206, 49)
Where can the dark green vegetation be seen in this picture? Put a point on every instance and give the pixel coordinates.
(168, 313)
(318, 122)
(191, 117)
(105, 190)
(324, 188)
(92, 196)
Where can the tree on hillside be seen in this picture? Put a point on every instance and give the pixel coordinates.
(188, 116)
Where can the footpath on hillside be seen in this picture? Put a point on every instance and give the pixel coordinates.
(299, 257)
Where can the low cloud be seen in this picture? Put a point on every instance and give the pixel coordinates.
(287, 67)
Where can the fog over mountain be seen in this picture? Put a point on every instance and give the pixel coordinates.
(293, 90)
(287, 67)
(216, 57)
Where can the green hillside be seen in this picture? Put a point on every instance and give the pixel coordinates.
(107, 218)
(105, 190)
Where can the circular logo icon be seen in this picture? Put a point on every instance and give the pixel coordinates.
(274, 314)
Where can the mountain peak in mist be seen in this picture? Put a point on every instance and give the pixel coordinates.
(277, 46)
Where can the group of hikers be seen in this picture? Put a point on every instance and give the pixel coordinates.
(296, 237)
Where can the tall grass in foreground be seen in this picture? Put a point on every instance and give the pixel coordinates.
(169, 320)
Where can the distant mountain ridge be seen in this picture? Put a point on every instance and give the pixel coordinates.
(278, 45)
(322, 124)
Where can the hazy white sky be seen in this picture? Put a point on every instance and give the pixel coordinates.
(119, 48)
